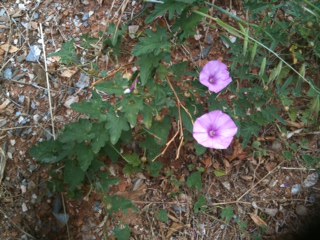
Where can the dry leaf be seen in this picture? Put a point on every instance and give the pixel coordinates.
(4, 104)
(68, 73)
(257, 220)
(207, 162)
(238, 152)
(175, 227)
(9, 48)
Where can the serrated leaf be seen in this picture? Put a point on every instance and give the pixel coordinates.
(84, 156)
(171, 7)
(67, 53)
(200, 204)
(188, 23)
(115, 126)
(162, 216)
(227, 214)
(101, 137)
(148, 63)
(247, 131)
(131, 106)
(194, 181)
(73, 175)
(154, 168)
(132, 159)
(115, 86)
(77, 132)
(122, 233)
(154, 43)
(95, 108)
(88, 42)
(116, 204)
(48, 152)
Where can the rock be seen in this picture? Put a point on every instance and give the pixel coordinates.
(295, 189)
(226, 185)
(34, 54)
(311, 180)
(133, 30)
(85, 2)
(301, 210)
(62, 217)
(24, 207)
(271, 211)
(276, 146)
(7, 74)
(70, 100)
(84, 81)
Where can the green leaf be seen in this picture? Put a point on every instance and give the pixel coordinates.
(122, 233)
(194, 181)
(77, 132)
(162, 216)
(101, 137)
(148, 63)
(116, 125)
(200, 204)
(67, 54)
(160, 131)
(219, 173)
(115, 86)
(154, 168)
(48, 152)
(95, 108)
(154, 43)
(147, 114)
(171, 7)
(131, 106)
(199, 149)
(84, 155)
(115, 204)
(88, 42)
(188, 23)
(73, 175)
(104, 182)
(132, 159)
(227, 214)
(248, 129)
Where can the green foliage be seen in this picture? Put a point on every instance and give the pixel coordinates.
(194, 181)
(115, 204)
(227, 214)
(200, 205)
(162, 216)
(154, 43)
(122, 233)
(67, 54)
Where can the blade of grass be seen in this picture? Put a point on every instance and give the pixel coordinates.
(239, 34)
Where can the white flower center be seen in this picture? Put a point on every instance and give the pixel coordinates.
(211, 79)
(212, 133)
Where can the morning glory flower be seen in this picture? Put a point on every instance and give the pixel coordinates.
(214, 130)
(215, 76)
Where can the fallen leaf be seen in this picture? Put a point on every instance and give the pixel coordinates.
(9, 48)
(68, 73)
(257, 220)
(175, 227)
(238, 152)
(207, 162)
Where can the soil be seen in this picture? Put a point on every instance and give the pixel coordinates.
(259, 190)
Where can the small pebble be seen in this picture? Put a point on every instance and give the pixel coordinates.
(24, 207)
(295, 189)
(311, 180)
(34, 54)
(23, 189)
(301, 210)
(7, 74)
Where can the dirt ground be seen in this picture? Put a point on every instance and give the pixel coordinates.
(268, 192)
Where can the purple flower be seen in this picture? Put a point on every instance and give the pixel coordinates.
(214, 130)
(215, 76)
